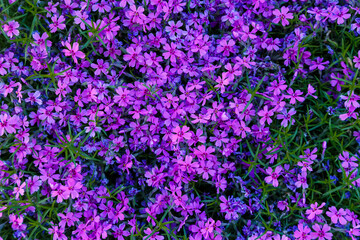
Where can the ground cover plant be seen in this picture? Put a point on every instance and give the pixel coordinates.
(179, 119)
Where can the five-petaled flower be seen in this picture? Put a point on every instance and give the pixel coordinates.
(274, 175)
(282, 15)
(73, 51)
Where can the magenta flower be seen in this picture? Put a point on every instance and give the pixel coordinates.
(68, 219)
(357, 60)
(226, 47)
(282, 15)
(354, 232)
(340, 14)
(3, 65)
(294, 96)
(172, 52)
(306, 165)
(101, 67)
(136, 14)
(179, 133)
(311, 91)
(57, 23)
(337, 215)
(303, 232)
(11, 28)
(282, 205)
(34, 184)
(154, 236)
(60, 192)
(19, 190)
(119, 231)
(34, 98)
(309, 155)
(41, 41)
(188, 165)
(351, 100)
(302, 181)
(347, 161)
(73, 51)
(319, 64)
(266, 115)
(133, 56)
(321, 233)
(286, 117)
(222, 82)
(314, 210)
(351, 113)
(173, 28)
(206, 169)
(274, 175)
(7, 124)
(74, 188)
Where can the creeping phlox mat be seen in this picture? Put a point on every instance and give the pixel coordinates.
(179, 119)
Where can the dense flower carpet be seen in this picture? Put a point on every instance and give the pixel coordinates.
(179, 119)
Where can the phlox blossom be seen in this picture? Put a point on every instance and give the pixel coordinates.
(274, 175)
(282, 15)
(73, 51)
(11, 28)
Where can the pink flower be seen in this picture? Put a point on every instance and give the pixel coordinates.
(179, 133)
(187, 165)
(321, 233)
(3, 65)
(337, 215)
(41, 41)
(7, 124)
(68, 219)
(274, 175)
(318, 64)
(19, 190)
(340, 15)
(302, 181)
(306, 165)
(59, 191)
(133, 56)
(311, 91)
(73, 188)
(34, 98)
(154, 236)
(357, 60)
(351, 113)
(34, 184)
(309, 156)
(222, 82)
(294, 96)
(282, 15)
(286, 117)
(347, 161)
(303, 233)
(119, 232)
(174, 28)
(11, 28)
(314, 210)
(282, 205)
(354, 232)
(351, 100)
(226, 47)
(73, 51)
(266, 115)
(57, 23)
(136, 14)
(101, 66)
(172, 52)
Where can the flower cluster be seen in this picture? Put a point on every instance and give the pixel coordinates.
(201, 120)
